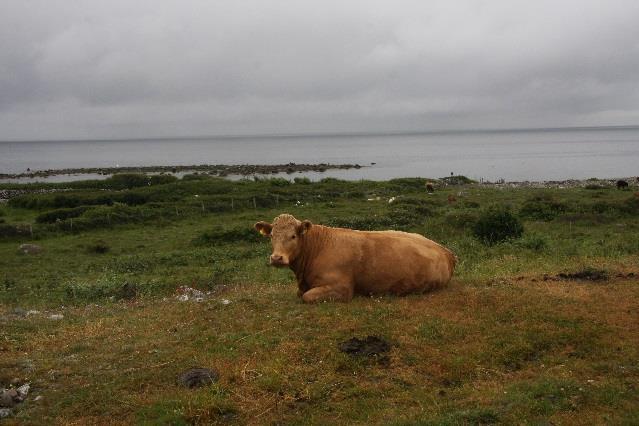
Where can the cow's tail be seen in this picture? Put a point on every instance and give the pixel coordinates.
(452, 261)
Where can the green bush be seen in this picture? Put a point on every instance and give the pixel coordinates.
(7, 230)
(279, 182)
(497, 224)
(127, 181)
(457, 180)
(60, 214)
(542, 207)
(302, 181)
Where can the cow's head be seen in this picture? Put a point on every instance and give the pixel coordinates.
(286, 235)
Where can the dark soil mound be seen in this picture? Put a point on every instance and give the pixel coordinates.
(197, 377)
(372, 346)
(589, 274)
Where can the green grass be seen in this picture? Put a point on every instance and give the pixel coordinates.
(505, 343)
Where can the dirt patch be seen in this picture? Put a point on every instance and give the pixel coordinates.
(372, 347)
(588, 274)
(197, 377)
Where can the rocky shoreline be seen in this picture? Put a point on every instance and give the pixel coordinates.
(211, 169)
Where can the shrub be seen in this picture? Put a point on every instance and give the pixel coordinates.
(162, 179)
(457, 180)
(542, 207)
(497, 224)
(7, 230)
(279, 182)
(132, 198)
(127, 181)
(302, 181)
(630, 206)
(60, 214)
(362, 223)
(407, 184)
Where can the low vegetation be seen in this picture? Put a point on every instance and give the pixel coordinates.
(538, 326)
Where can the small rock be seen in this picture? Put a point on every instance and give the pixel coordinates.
(6, 398)
(5, 412)
(33, 312)
(56, 317)
(23, 390)
(19, 312)
(38, 398)
(225, 301)
(30, 248)
(197, 377)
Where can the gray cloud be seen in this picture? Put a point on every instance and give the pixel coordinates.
(158, 68)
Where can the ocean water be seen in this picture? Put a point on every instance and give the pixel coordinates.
(513, 155)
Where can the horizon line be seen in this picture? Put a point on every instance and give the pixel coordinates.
(334, 134)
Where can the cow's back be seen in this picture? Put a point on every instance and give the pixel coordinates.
(386, 261)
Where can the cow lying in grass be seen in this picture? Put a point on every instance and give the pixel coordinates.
(335, 263)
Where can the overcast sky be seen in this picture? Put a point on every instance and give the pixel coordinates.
(112, 69)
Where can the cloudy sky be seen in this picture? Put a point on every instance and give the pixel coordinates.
(113, 69)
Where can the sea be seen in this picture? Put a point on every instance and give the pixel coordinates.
(489, 155)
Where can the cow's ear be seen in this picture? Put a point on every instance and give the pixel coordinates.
(264, 228)
(305, 226)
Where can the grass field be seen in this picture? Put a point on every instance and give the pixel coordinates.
(509, 341)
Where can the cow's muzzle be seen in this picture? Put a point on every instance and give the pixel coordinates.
(278, 260)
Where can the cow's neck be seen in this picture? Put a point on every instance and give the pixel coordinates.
(311, 244)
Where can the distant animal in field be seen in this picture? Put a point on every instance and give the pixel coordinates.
(452, 199)
(622, 184)
(430, 188)
(336, 263)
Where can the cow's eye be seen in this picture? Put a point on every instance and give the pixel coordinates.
(293, 237)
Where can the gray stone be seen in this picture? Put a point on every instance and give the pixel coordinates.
(30, 248)
(23, 390)
(19, 312)
(8, 398)
(5, 412)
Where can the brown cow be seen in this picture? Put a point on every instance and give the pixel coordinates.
(334, 263)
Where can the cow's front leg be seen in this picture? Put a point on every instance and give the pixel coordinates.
(337, 293)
